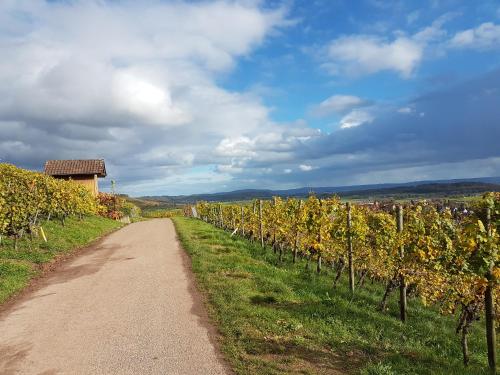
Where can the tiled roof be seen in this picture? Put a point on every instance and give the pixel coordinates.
(75, 167)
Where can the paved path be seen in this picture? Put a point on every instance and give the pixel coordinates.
(127, 306)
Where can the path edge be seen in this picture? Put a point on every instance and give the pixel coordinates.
(201, 306)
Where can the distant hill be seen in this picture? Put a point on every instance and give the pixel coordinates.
(439, 188)
(146, 204)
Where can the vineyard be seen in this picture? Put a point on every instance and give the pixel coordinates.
(27, 198)
(446, 258)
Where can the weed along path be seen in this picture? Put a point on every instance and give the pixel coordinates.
(126, 306)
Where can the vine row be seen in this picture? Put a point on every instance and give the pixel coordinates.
(446, 259)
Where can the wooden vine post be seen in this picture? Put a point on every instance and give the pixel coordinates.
(349, 248)
(242, 221)
(402, 282)
(221, 218)
(318, 264)
(235, 213)
(274, 226)
(489, 306)
(296, 241)
(261, 229)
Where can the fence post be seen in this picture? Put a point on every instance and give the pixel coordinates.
(349, 248)
(402, 282)
(489, 307)
(261, 229)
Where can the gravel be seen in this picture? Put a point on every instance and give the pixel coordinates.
(126, 306)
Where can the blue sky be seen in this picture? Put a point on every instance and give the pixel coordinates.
(304, 81)
(182, 97)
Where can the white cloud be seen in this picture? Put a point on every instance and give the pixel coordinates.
(228, 168)
(133, 82)
(306, 168)
(239, 146)
(277, 145)
(338, 104)
(484, 36)
(287, 171)
(140, 64)
(355, 118)
(145, 101)
(365, 54)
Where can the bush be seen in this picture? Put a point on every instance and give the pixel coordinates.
(110, 206)
(130, 209)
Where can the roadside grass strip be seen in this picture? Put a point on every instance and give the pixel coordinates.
(278, 318)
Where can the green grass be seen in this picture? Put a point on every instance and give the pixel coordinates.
(17, 267)
(280, 319)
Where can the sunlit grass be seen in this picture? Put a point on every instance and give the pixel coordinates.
(280, 319)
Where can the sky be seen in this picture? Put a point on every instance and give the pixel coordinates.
(183, 97)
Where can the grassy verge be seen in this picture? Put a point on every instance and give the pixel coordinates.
(17, 267)
(280, 319)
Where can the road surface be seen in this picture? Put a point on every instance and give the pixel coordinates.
(126, 306)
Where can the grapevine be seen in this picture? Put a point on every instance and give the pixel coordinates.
(445, 259)
(27, 197)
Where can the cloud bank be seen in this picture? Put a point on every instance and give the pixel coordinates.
(142, 88)
(135, 83)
